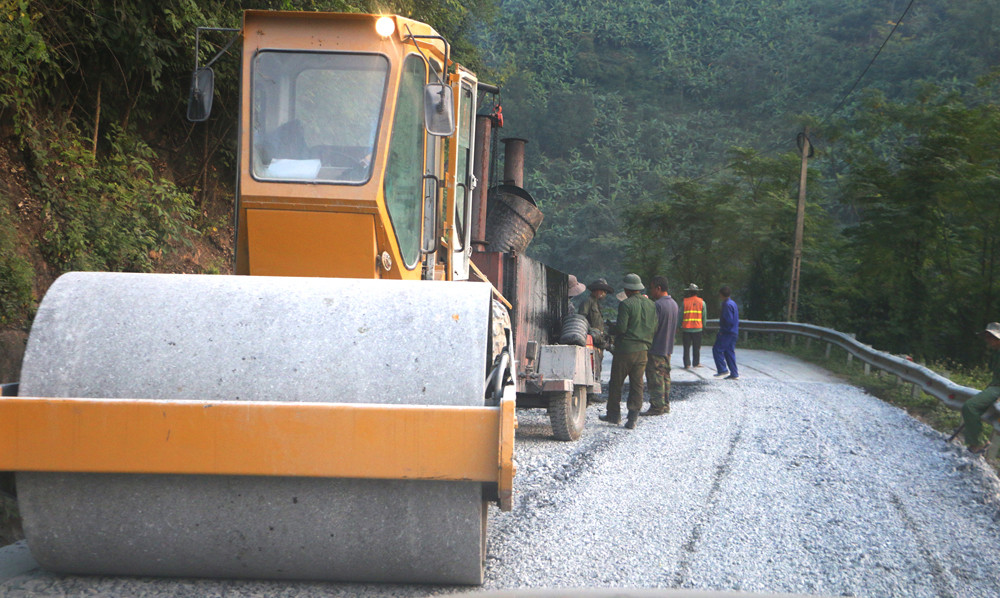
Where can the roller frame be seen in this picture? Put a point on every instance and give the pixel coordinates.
(361, 441)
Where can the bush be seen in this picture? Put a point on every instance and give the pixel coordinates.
(113, 214)
(16, 276)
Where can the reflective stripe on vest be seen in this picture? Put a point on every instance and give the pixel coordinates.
(692, 312)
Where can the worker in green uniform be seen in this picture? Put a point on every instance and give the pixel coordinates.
(591, 309)
(633, 336)
(975, 407)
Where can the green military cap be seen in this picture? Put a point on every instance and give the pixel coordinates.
(632, 282)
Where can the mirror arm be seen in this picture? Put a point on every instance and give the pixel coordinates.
(447, 49)
(197, 43)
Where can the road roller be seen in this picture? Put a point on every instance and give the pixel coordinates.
(342, 406)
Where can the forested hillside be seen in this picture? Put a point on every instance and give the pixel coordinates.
(662, 140)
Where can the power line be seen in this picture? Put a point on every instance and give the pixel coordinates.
(843, 100)
(899, 22)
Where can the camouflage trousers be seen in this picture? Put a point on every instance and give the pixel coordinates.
(658, 380)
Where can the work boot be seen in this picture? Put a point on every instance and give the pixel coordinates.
(653, 411)
(611, 418)
(633, 419)
(979, 449)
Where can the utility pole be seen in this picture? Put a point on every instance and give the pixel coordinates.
(800, 216)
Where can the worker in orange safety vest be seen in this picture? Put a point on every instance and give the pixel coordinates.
(692, 324)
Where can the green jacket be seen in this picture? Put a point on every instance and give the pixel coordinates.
(591, 309)
(636, 324)
(995, 367)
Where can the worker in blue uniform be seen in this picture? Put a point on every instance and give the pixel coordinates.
(724, 349)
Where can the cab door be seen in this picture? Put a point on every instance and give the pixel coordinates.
(461, 181)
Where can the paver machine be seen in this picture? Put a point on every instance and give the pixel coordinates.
(346, 411)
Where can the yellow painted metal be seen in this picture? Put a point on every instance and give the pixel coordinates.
(272, 439)
(505, 479)
(327, 32)
(295, 243)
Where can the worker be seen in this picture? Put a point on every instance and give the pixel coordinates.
(591, 309)
(658, 362)
(724, 349)
(692, 324)
(973, 409)
(633, 338)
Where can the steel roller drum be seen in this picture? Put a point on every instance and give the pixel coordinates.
(235, 338)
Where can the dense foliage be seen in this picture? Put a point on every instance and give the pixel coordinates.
(664, 141)
(93, 96)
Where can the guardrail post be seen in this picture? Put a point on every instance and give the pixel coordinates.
(828, 346)
(914, 391)
(868, 369)
(745, 335)
(850, 357)
(791, 339)
(991, 453)
(809, 342)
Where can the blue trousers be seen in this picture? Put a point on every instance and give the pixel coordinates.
(724, 352)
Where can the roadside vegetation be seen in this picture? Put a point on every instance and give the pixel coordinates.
(664, 141)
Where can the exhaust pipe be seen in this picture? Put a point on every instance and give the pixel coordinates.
(481, 170)
(513, 161)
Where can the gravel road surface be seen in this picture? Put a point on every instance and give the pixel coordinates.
(784, 481)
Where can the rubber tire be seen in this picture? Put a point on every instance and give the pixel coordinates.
(568, 414)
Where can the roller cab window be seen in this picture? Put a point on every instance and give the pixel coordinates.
(404, 181)
(315, 115)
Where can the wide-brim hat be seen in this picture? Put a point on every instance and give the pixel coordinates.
(693, 287)
(993, 329)
(601, 285)
(632, 282)
(575, 287)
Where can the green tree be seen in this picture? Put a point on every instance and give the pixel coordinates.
(925, 241)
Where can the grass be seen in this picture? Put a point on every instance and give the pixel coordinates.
(883, 385)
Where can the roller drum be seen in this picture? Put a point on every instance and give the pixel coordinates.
(227, 338)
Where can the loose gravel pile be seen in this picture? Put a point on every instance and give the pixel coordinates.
(752, 485)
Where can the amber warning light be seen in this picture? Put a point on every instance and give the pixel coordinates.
(385, 26)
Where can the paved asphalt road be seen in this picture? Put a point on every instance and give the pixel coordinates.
(784, 481)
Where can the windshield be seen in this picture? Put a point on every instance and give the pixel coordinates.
(315, 115)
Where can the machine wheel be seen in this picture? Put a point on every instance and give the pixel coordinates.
(568, 413)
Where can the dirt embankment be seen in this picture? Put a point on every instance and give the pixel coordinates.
(209, 250)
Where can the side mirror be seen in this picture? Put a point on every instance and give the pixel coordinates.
(201, 94)
(439, 110)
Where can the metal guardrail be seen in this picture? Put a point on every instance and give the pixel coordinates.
(951, 394)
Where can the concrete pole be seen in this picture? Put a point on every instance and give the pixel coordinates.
(800, 216)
